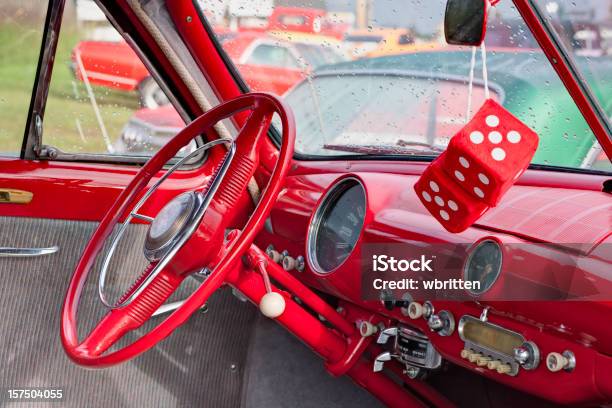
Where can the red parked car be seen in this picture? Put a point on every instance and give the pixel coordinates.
(266, 63)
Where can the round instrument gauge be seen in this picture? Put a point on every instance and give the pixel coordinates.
(483, 265)
(336, 225)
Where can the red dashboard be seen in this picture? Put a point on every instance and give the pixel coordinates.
(555, 210)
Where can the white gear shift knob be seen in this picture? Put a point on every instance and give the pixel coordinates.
(272, 305)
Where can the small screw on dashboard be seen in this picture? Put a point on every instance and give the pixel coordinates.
(189, 19)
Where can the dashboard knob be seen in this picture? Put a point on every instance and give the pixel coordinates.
(367, 329)
(482, 361)
(289, 263)
(527, 355)
(493, 364)
(442, 323)
(274, 254)
(503, 368)
(380, 360)
(473, 357)
(415, 310)
(556, 362)
(386, 334)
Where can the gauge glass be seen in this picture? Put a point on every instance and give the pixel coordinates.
(484, 265)
(338, 224)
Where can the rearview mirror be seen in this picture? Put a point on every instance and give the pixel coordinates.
(465, 21)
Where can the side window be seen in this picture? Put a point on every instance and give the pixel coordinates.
(102, 99)
(272, 55)
(21, 30)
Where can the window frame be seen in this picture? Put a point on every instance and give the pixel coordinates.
(33, 147)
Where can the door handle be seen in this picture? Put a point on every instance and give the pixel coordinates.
(12, 196)
(6, 252)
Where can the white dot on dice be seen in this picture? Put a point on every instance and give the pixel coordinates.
(483, 179)
(513, 136)
(444, 215)
(478, 192)
(459, 175)
(495, 137)
(434, 186)
(453, 205)
(426, 196)
(492, 120)
(476, 137)
(439, 201)
(498, 154)
(463, 161)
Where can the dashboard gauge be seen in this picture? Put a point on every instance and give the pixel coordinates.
(483, 265)
(336, 225)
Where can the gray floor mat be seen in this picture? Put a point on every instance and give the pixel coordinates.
(283, 372)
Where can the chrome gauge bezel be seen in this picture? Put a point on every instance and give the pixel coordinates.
(329, 199)
(468, 262)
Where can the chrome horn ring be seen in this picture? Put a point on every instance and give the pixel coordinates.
(191, 217)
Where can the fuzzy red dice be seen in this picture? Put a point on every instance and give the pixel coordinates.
(450, 204)
(487, 155)
(481, 163)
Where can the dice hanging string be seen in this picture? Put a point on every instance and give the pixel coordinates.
(485, 78)
(468, 114)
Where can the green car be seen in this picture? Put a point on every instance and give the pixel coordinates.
(429, 93)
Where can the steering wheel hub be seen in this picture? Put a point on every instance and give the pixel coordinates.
(169, 223)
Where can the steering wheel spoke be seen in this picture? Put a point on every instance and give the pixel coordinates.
(119, 322)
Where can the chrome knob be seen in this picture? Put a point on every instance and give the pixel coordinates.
(527, 355)
(443, 323)
(380, 361)
(384, 335)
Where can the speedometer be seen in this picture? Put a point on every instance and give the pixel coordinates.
(336, 225)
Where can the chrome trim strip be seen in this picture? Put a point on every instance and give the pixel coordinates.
(7, 252)
(182, 237)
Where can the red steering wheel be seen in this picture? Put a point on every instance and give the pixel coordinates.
(203, 245)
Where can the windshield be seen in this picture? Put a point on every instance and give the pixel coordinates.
(397, 97)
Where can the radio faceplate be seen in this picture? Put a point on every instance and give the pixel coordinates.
(491, 341)
(414, 348)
